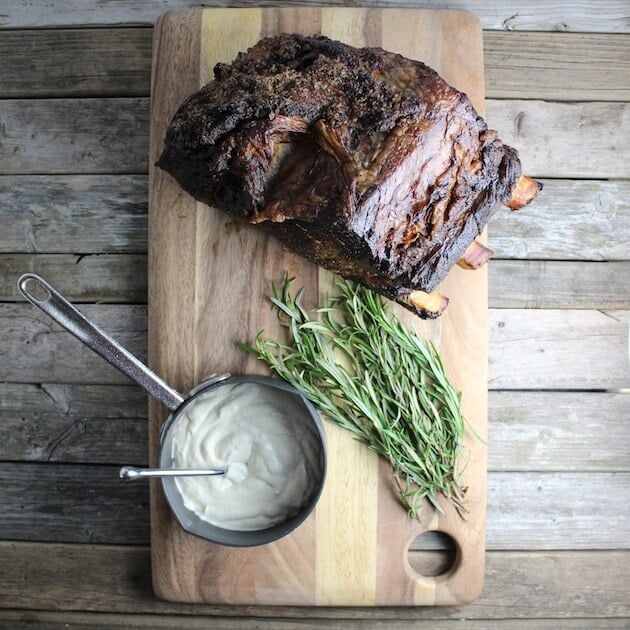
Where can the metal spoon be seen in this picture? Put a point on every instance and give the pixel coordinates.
(41, 294)
(37, 291)
(129, 473)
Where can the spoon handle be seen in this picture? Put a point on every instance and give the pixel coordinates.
(129, 473)
(39, 293)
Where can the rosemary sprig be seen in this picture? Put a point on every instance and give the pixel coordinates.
(394, 395)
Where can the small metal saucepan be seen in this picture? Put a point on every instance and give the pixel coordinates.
(41, 294)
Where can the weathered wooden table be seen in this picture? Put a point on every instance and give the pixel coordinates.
(74, 84)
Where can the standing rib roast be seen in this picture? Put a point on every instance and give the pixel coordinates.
(361, 160)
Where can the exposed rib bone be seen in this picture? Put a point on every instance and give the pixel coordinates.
(525, 190)
(428, 305)
(477, 255)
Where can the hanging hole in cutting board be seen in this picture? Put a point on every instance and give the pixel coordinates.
(432, 553)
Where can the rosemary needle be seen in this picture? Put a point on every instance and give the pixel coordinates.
(394, 395)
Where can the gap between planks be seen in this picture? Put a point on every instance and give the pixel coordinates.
(53, 620)
(531, 431)
(89, 504)
(85, 62)
(60, 136)
(122, 279)
(529, 349)
(510, 15)
(570, 220)
(116, 579)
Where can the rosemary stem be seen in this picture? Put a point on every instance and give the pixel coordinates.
(390, 389)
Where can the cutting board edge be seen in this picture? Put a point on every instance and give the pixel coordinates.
(173, 16)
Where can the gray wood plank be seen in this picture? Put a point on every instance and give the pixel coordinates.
(536, 15)
(111, 136)
(565, 139)
(76, 503)
(74, 135)
(92, 214)
(558, 511)
(112, 402)
(548, 431)
(513, 284)
(557, 66)
(117, 62)
(71, 503)
(117, 579)
(106, 424)
(82, 278)
(93, 424)
(571, 219)
(75, 62)
(558, 349)
(55, 438)
(558, 284)
(37, 350)
(50, 620)
(529, 349)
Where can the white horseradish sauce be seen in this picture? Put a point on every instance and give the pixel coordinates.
(273, 460)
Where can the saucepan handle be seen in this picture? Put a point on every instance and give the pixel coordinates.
(41, 294)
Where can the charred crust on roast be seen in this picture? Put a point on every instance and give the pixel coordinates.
(361, 160)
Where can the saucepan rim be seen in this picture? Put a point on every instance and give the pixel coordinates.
(69, 317)
(191, 522)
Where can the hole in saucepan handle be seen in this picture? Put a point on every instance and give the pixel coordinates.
(34, 288)
(432, 553)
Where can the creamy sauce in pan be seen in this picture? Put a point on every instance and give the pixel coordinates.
(273, 462)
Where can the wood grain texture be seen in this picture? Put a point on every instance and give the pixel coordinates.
(81, 278)
(536, 15)
(559, 349)
(117, 62)
(71, 503)
(100, 424)
(47, 620)
(571, 220)
(558, 284)
(91, 214)
(69, 62)
(116, 579)
(172, 268)
(568, 67)
(90, 440)
(35, 350)
(44, 136)
(110, 136)
(549, 431)
(73, 401)
(529, 349)
(517, 510)
(95, 424)
(74, 503)
(547, 136)
(331, 559)
(122, 278)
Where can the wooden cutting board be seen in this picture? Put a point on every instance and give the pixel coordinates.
(208, 281)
